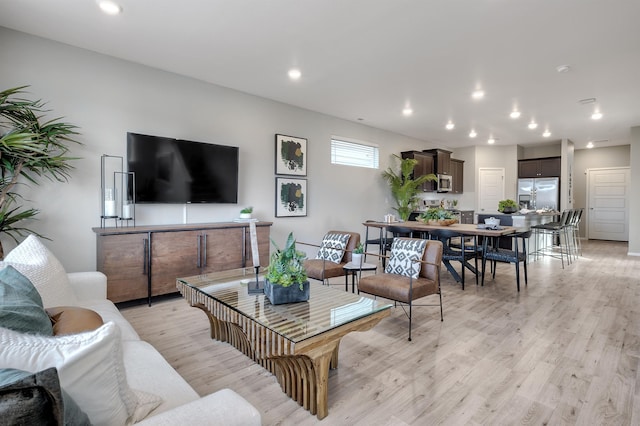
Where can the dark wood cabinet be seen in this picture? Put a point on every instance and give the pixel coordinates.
(539, 167)
(457, 174)
(425, 166)
(442, 160)
(142, 262)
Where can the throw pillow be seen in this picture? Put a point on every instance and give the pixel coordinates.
(405, 252)
(333, 246)
(90, 367)
(20, 304)
(37, 398)
(33, 260)
(73, 319)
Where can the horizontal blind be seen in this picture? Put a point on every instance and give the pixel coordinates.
(354, 154)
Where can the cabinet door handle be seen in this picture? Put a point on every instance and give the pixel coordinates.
(204, 250)
(198, 251)
(145, 255)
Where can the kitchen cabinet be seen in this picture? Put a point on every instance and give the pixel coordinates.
(539, 167)
(425, 166)
(143, 262)
(442, 160)
(457, 174)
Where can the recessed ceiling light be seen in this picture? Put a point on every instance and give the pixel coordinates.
(294, 74)
(514, 114)
(478, 94)
(596, 115)
(532, 125)
(491, 141)
(407, 111)
(546, 134)
(110, 7)
(590, 145)
(450, 125)
(472, 134)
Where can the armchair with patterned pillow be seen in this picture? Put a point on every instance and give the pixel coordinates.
(334, 252)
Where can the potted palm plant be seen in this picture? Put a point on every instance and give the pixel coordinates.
(30, 149)
(405, 187)
(286, 279)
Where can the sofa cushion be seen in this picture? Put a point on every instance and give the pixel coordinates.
(404, 254)
(332, 247)
(73, 319)
(109, 312)
(37, 398)
(21, 305)
(90, 367)
(33, 260)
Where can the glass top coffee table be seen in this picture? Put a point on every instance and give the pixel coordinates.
(297, 342)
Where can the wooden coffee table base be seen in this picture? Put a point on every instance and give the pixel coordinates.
(302, 369)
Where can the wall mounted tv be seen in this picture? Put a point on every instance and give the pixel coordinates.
(178, 171)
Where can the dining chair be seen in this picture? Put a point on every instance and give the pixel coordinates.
(516, 255)
(401, 282)
(455, 248)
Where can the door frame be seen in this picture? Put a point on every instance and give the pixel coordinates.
(479, 193)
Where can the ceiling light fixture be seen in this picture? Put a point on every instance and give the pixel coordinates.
(590, 145)
(472, 134)
(532, 125)
(478, 94)
(407, 111)
(563, 68)
(546, 134)
(491, 141)
(294, 74)
(450, 125)
(110, 7)
(596, 115)
(514, 114)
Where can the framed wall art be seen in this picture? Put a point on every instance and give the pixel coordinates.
(291, 155)
(291, 197)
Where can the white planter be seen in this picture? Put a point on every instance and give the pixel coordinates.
(357, 259)
(245, 215)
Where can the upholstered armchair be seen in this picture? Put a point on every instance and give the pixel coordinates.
(398, 282)
(333, 254)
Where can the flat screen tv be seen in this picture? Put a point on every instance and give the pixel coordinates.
(178, 171)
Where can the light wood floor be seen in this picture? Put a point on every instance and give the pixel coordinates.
(565, 350)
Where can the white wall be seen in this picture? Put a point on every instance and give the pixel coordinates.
(108, 97)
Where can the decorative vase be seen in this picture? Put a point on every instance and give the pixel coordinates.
(279, 295)
(357, 259)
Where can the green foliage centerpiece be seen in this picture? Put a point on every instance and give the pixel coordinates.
(404, 188)
(438, 216)
(286, 280)
(507, 206)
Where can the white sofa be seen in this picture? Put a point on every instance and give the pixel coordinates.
(148, 371)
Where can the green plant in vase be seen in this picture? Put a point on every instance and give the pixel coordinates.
(507, 206)
(286, 269)
(245, 213)
(404, 188)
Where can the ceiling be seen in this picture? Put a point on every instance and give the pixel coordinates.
(366, 60)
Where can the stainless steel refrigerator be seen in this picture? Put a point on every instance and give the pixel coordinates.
(539, 193)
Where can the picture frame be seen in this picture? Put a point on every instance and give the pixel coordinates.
(291, 197)
(291, 155)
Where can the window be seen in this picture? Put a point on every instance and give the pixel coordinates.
(354, 153)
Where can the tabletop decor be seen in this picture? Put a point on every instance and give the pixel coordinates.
(291, 155)
(357, 255)
(286, 279)
(404, 188)
(245, 213)
(507, 206)
(437, 216)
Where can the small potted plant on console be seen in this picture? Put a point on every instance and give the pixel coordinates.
(286, 280)
(246, 213)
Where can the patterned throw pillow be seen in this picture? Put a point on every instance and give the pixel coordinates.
(404, 253)
(332, 247)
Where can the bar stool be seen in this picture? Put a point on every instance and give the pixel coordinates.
(556, 231)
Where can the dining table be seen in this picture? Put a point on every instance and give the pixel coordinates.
(465, 229)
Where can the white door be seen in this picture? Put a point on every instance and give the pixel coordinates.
(608, 204)
(491, 189)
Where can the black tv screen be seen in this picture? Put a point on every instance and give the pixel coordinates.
(178, 171)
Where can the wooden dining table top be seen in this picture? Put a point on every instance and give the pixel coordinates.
(463, 228)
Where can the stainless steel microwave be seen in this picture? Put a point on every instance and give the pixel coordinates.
(445, 183)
